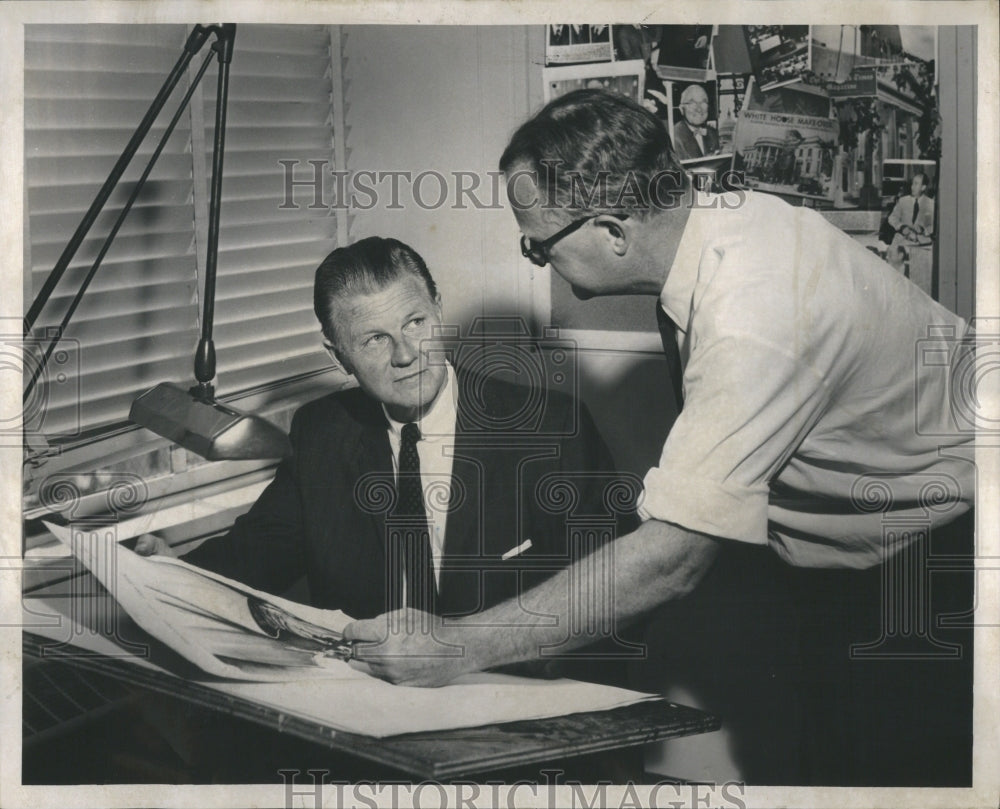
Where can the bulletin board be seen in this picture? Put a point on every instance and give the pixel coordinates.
(835, 117)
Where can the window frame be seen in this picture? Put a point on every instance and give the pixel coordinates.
(121, 447)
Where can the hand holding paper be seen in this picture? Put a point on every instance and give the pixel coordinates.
(153, 545)
(406, 648)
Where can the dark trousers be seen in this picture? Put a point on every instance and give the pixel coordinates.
(831, 677)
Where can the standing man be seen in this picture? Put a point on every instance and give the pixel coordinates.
(693, 138)
(802, 398)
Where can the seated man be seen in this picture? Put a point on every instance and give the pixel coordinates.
(692, 137)
(912, 219)
(412, 490)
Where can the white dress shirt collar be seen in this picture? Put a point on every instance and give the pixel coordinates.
(702, 225)
(438, 422)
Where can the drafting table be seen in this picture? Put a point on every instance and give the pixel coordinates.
(441, 755)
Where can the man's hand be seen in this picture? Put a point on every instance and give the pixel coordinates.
(407, 647)
(657, 562)
(152, 545)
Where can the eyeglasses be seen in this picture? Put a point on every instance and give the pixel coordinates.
(538, 252)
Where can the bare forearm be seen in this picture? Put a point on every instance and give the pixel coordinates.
(654, 564)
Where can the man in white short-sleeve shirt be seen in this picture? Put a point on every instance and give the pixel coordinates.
(805, 389)
(817, 410)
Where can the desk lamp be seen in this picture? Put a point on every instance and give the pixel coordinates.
(191, 418)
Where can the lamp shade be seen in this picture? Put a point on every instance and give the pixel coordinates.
(213, 430)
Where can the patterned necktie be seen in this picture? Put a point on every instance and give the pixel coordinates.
(672, 354)
(413, 533)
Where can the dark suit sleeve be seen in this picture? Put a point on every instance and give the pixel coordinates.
(603, 489)
(264, 548)
(584, 468)
(683, 142)
(711, 141)
(603, 493)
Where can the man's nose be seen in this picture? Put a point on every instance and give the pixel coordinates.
(405, 351)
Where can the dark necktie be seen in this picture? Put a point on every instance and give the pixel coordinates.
(916, 210)
(414, 536)
(672, 354)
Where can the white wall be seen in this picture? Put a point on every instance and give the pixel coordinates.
(956, 199)
(444, 99)
(447, 99)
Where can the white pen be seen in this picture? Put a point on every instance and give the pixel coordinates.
(518, 550)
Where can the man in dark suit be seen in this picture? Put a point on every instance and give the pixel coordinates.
(559, 34)
(492, 462)
(685, 45)
(693, 138)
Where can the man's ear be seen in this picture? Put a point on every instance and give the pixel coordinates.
(337, 357)
(617, 231)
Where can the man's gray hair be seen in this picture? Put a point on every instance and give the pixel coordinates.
(689, 91)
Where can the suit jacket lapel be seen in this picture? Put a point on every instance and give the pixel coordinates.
(462, 534)
(373, 470)
(465, 532)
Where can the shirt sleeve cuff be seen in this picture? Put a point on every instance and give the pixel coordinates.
(706, 506)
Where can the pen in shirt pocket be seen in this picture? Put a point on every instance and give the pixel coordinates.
(516, 551)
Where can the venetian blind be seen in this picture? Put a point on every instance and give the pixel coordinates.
(86, 88)
(269, 247)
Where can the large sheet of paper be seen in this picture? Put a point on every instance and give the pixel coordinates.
(227, 630)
